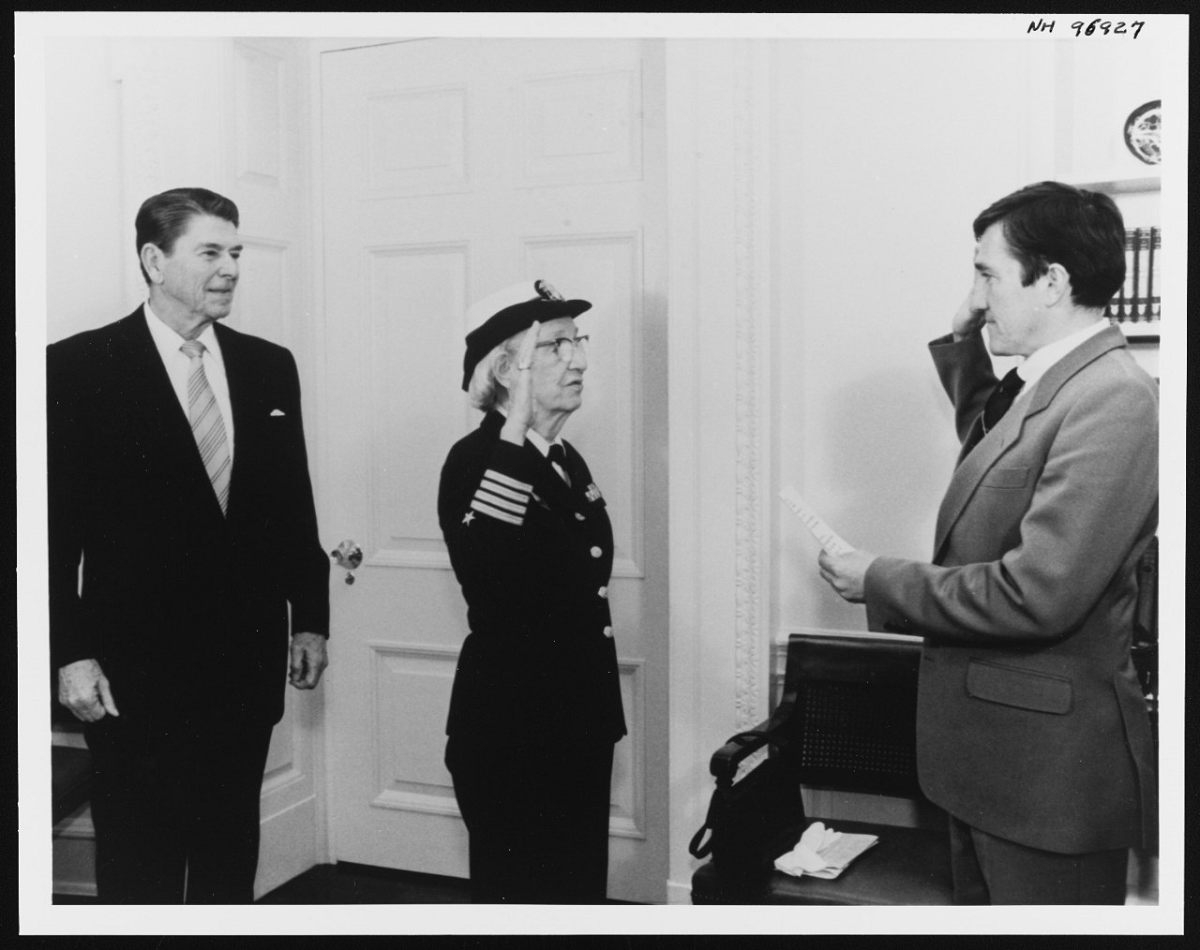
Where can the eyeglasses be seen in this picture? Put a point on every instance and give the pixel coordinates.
(565, 346)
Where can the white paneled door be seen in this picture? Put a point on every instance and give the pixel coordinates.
(450, 169)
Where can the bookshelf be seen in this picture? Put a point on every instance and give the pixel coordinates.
(1137, 306)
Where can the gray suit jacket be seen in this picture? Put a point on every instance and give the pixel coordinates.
(1031, 722)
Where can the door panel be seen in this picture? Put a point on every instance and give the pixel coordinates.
(450, 169)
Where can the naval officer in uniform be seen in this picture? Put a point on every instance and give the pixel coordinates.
(536, 704)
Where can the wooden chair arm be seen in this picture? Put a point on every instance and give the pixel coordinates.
(725, 761)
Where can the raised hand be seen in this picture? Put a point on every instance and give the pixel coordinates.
(967, 320)
(520, 392)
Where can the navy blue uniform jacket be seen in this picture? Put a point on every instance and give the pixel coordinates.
(534, 558)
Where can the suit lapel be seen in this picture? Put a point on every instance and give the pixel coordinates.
(164, 418)
(1008, 431)
(154, 396)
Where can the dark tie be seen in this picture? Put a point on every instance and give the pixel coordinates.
(558, 457)
(997, 405)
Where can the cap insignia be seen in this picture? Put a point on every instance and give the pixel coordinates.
(546, 290)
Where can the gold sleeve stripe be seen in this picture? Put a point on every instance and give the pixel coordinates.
(496, 513)
(497, 489)
(505, 480)
(495, 501)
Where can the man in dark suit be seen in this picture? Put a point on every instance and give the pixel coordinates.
(178, 477)
(1032, 730)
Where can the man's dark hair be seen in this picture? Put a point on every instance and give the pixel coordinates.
(162, 218)
(1052, 223)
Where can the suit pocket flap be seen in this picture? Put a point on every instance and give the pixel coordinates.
(1024, 689)
(1006, 478)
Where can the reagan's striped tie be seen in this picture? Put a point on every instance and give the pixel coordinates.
(207, 425)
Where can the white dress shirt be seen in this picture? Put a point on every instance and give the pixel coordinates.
(1039, 361)
(179, 367)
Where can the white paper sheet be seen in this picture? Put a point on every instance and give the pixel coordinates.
(829, 539)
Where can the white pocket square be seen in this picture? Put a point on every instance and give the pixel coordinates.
(278, 412)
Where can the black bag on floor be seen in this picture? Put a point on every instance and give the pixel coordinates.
(750, 823)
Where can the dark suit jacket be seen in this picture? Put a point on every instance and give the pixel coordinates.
(179, 604)
(534, 558)
(1031, 722)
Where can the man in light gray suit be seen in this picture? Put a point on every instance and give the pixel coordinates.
(1032, 730)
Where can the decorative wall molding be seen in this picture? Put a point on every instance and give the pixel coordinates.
(610, 264)
(261, 303)
(581, 126)
(400, 280)
(752, 413)
(415, 796)
(279, 778)
(432, 161)
(259, 109)
(627, 818)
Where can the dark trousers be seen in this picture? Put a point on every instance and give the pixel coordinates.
(176, 809)
(991, 870)
(537, 817)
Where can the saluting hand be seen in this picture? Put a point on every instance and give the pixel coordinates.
(967, 320)
(520, 395)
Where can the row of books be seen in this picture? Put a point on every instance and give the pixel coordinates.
(1139, 299)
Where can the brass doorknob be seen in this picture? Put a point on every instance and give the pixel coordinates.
(347, 555)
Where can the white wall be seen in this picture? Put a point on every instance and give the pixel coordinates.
(89, 242)
(886, 152)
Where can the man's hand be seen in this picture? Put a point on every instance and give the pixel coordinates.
(520, 394)
(83, 688)
(309, 660)
(846, 573)
(966, 321)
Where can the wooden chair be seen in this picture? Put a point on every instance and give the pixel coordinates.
(847, 720)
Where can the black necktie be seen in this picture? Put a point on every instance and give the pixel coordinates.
(558, 456)
(997, 405)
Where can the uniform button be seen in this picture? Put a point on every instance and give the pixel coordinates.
(608, 632)
(596, 552)
(580, 516)
(603, 592)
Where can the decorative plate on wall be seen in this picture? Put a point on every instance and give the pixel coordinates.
(1143, 132)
